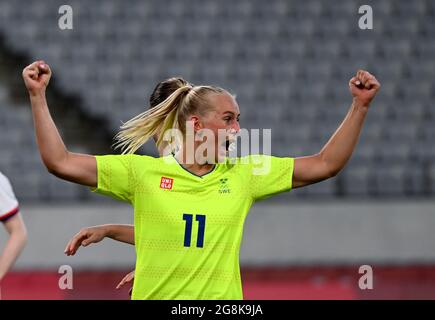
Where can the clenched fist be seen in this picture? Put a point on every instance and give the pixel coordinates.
(36, 76)
(363, 87)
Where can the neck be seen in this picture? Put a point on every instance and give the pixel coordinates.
(188, 161)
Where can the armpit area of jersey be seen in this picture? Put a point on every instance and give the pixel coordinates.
(10, 214)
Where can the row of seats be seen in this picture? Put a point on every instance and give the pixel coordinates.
(288, 63)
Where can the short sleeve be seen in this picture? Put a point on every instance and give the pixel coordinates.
(6, 216)
(115, 176)
(8, 202)
(270, 175)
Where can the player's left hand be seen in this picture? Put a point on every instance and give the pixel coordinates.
(363, 88)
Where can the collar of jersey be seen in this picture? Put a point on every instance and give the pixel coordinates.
(208, 174)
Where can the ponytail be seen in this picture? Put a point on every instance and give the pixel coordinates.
(135, 132)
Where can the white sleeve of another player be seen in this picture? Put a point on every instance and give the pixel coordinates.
(8, 202)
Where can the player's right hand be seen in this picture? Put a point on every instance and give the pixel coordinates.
(37, 76)
(84, 238)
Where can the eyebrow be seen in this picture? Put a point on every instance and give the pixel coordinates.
(232, 113)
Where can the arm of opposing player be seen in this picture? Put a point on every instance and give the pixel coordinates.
(15, 244)
(86, 236)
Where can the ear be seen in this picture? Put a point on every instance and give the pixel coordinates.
(197, 125)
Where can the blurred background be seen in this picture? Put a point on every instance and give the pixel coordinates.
(289, 63)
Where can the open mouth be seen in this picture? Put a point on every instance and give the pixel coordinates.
(230, 145)
(227, 145)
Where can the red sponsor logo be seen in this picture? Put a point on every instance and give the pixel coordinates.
(166, 183)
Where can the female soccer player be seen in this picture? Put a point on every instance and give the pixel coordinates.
(13, 222)
(188, 213)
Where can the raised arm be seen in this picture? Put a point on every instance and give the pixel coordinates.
(15, 244)
(74, 167)
(337, 151)
(86, 236)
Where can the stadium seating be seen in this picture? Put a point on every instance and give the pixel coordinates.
(288, 62)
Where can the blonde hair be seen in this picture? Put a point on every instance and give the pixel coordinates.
(172, 113)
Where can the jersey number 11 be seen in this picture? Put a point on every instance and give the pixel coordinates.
(188, 231)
